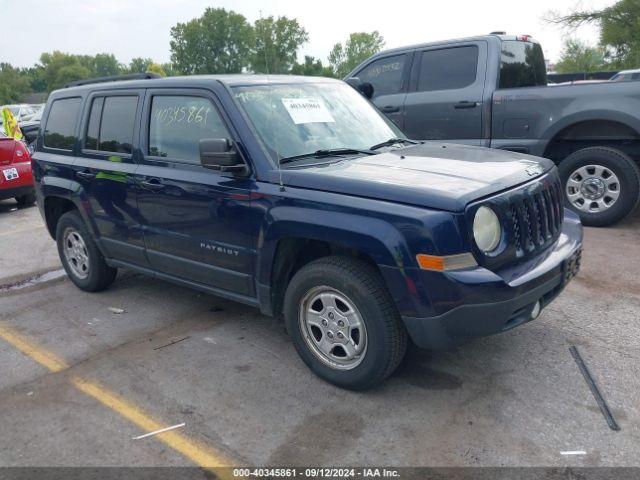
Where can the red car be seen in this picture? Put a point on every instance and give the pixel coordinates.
(16, 180)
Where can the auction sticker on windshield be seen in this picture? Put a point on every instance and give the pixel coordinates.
(10, 173)
(307, 110)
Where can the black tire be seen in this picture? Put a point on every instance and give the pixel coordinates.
(99, 275)
(28, 199)
(622, 166)
(386, 335)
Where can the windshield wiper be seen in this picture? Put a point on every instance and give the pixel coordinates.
(393, 141)
(326, 152)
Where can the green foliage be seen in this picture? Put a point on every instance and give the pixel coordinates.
(12, 84)
(105, 64)
(359, 46)
(276, 44)
(577, 56)
(219, 41)
(139, 65)
(619, 31)
(312, 67)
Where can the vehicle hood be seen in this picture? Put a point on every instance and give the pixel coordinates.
(435, 175)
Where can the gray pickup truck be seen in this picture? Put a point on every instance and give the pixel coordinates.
(492, 91)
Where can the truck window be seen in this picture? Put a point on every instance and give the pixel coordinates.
(111, 121)
(522, 65)
(385, 74)
(448, 68)
(60, 130)
(179, 123)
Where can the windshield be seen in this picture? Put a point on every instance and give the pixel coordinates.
(298, 119)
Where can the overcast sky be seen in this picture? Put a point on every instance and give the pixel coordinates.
(140, 28)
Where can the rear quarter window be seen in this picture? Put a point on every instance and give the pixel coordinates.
(522, 65)
(60, 130)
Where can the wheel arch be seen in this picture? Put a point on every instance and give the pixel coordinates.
(616, 130)
(285, 246)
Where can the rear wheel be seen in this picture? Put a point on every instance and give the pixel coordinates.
(343, 322)
(601, 184)
(83, 262)
(28, 199)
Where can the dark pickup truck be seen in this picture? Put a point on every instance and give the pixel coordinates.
(296, 196)
(492, 91)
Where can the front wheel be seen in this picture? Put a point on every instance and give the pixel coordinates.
(343, 322)
(601, 184)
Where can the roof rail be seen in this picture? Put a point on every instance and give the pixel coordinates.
(113, 78)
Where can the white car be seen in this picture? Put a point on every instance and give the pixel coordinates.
(626, 76)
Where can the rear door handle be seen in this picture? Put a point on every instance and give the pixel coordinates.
(390, 109)
(152, 184)
(466, 104)
(86, 175)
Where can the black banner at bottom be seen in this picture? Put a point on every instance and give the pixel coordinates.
(346, 473)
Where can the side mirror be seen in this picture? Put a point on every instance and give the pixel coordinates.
(365, 88)
(220, 154)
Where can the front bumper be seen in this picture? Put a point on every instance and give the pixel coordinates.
(476, 303)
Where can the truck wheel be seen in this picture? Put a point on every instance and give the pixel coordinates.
(80, 256)
(28, 199)
(343, 322)
(601, 184)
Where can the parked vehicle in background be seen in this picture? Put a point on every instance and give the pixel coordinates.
(20, 112)
(16, 180)
(296, 196)
(492, 91)
(626, 76)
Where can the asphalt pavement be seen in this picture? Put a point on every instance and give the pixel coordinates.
(82, 375)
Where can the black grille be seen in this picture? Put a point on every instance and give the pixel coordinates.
(535, 217)
(531, 216)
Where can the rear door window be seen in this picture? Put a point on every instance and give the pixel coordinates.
(385, 74)
(448, 68)
(60, 130)
(111, 123)
(178, 123)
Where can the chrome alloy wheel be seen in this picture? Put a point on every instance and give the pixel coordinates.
(593, 188)
(75, 253)
(333, 328)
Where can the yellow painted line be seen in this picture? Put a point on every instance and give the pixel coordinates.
(196, 452)
(47, 359)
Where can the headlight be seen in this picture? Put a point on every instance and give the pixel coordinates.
(486, 229)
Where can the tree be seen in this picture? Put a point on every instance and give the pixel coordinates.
(312, 67)
(577, 56)
(13, 84)
(139, 65)
(60, 68)
(219, 41)
(156, 68)
(619, 30)
(359, 46)
(276, 44)
(105, 64)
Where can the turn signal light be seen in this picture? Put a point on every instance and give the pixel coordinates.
(446, 262)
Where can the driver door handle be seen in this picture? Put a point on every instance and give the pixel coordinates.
(390, 109)
(466, 104)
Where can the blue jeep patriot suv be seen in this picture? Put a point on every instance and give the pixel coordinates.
(296, 196)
